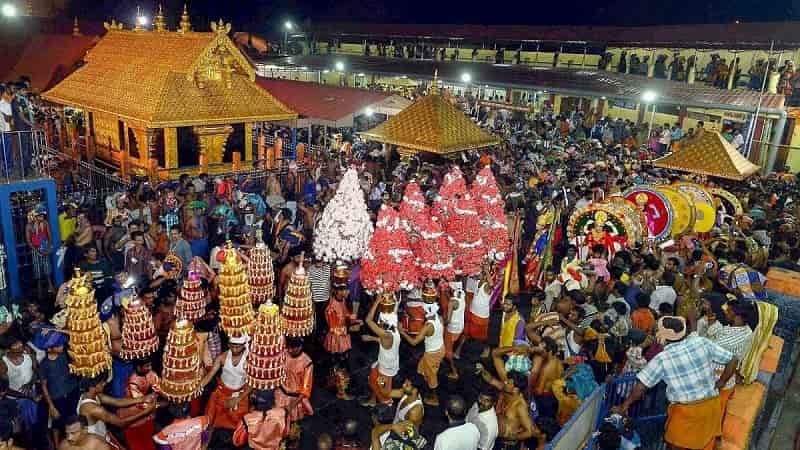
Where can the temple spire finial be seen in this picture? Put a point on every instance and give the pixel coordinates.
(159, 24)
(76, 30)
(435, 83)
(186, 24)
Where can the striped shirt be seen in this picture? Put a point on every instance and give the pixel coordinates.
(319, 276)
(735, 340)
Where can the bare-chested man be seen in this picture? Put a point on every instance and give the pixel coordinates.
(295, 260)
(79, 438)
(545, 369)
(513, 419)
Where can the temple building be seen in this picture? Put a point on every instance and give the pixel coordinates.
(155, 100)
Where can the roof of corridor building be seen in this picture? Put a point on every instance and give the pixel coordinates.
(728, 35)
(576, 82)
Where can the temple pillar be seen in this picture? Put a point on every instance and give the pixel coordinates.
(170, 148)
(212, 139)
(143, 145)
(248, 141)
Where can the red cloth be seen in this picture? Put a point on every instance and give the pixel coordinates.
(382, 395)
(140, 437)
(138, 386)
(476, 327)
(449, 342)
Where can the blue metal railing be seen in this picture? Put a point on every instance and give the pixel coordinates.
(649, 416)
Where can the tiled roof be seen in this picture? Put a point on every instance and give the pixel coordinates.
(709, 154)
(579, 82)
(150, 77)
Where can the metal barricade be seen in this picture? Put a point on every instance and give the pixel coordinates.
(26, 155)
(577, 432)
(649, 414)
(18, 151)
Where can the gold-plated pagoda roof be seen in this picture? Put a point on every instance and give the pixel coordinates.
(432, 124)
(709, 154)
(169, 79)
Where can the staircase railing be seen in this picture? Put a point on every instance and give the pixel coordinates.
(26, 155)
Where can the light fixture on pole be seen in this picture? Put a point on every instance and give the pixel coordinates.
(649, 98)
(9, 10)
(287, 27)
(466, 77)
(339, 66)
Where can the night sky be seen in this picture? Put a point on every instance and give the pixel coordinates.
(263, 15)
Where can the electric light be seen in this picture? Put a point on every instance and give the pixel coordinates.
(649, 96)
(9, 10)
(466, 78)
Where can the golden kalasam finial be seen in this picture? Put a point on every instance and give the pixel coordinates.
(76, 30)
(159, 24)
(186, 24)
(435, 84)
(113, 25)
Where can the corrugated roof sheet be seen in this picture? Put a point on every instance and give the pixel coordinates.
(48, 58)
(319, 101)
(581, 82)
(729, 35)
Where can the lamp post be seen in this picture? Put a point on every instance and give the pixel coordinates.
(287, 27)
(649, 98)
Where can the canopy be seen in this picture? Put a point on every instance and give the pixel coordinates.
(709, 154)
(432, 124)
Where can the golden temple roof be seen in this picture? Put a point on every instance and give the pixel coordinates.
(169, 79)
(432, 124)
(709, 154)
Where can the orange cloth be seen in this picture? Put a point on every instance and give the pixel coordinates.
(772, 355)
(338, 338)
(724, 396)
(262, 430)
(428, 367)
(694, 426)
(643, 320)
(186, 434)
(476, 327)
(740, 415)
(299, 381)
(382, 395)
(567, 403)
(449, 343)
(219, 415)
